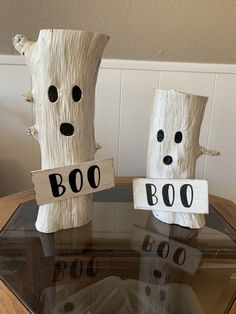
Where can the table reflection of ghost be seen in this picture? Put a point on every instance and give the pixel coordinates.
(164, 286)
(165, 289)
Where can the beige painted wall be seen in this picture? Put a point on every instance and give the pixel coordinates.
(165, 30)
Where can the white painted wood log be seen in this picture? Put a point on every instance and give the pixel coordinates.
(64, 66)
(173, 146)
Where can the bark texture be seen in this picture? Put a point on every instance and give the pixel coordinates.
(64, 66)
(173, 146)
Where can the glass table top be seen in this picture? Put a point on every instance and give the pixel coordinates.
(124, 261)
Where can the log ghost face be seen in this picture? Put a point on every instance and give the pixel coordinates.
(69, 63)
(64, 66)
(173, 146)
(66, 129)
(168, 160)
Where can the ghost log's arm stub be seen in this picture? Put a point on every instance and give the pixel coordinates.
(64, 65)
(173, 146)
(22, 44)
(32, 130)
(209, 152)
(28, 96)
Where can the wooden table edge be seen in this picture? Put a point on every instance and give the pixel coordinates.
(9, 204)
(232, 308)
(10, 304)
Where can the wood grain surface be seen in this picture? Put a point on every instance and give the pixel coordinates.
(124, 180)
(233, 308)
(9, 204)
(9, 304)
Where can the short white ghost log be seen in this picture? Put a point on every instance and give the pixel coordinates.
(64, 66)
(173, 145)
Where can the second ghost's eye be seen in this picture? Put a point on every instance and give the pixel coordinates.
(52, 93)
(178, 137)
(160, 135)
(76, 93)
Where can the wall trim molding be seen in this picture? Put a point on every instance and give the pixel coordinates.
(145, 65)
(12, 60)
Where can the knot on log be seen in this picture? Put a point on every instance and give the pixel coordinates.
(98, 146)
(32, 131)
(28, 96)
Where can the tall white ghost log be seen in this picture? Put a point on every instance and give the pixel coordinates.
(173, 146)
(64, 66)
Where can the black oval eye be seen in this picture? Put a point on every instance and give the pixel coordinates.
(178, 137)
(160, 135)
(52, 93)
(76, 93)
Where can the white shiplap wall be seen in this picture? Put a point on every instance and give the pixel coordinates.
(123, 100)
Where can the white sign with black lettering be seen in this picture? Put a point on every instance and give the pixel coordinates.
(173, 252)
(56, 184)
(174, 195)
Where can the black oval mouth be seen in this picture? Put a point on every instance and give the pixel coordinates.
(67, 129)
(167, 160)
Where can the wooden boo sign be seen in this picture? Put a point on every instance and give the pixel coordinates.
(56, 184)
(174, 195)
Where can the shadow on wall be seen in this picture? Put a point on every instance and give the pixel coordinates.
(13, 177)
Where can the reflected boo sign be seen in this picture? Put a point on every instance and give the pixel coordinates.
(174, 195)
(175, 253)
(56, 184)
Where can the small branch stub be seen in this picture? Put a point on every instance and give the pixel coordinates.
(209, 152)
(22, 44)
(28, 96)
